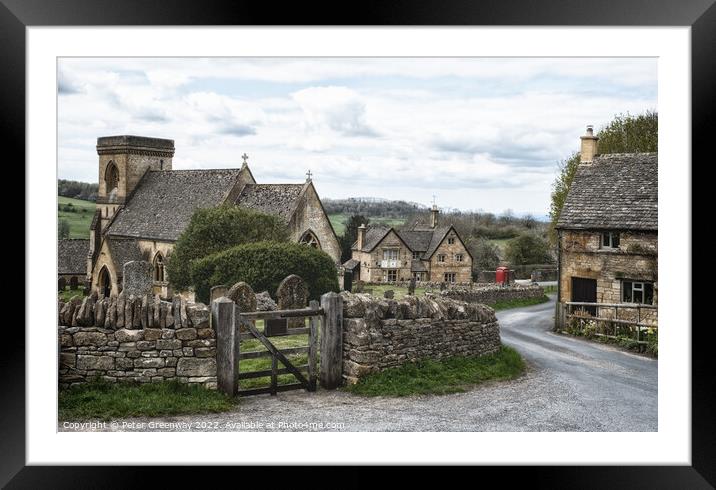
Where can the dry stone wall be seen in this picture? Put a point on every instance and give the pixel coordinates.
(381, 333)
(135, 339)
(489, 294)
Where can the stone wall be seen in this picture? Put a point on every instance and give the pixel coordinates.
(145, 355)
(489, 294)
(380, 333)
(141, 339)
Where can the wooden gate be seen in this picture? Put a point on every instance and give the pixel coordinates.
(276, 326)
(227, 320)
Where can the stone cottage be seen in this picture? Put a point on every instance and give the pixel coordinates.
(427, 252)
(608, 229)
(72, 261)
(143, 206)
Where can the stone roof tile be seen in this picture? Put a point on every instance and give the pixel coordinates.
(277, 199)
(72, 256)
(615, 191)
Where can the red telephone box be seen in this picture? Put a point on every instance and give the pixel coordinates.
(502, 275)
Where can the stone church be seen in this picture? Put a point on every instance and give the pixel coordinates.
(425, 251)
(143, 206)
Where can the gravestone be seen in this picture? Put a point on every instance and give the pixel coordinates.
(411, 286)
(137, 278)
(292, 294)
(61, 284)
(217, 292)
(73, 283)
(244, 297)
(389, 294)
(275, 326)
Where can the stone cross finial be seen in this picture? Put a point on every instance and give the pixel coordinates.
(245, 157)
(308, 175)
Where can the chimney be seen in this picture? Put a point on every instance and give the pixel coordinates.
(589, 146)
(361, 236)
(434, 216)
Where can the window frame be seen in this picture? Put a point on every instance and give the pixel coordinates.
(613, 237)
(388, 273)
(459, 257)
(397, 253)
(442, 258)
(451, 240)
(450, 277)
(643, 289)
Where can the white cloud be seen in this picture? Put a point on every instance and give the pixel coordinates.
(479, 133)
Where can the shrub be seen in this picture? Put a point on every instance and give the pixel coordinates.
(264, 265)
(213, 230)
(528, 248)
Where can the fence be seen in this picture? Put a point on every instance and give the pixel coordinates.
(610, 320)
(229, 322)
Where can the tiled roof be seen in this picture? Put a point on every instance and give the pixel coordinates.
(373, 236)
(162, 204)
(123, 251)
(351, 264)
(418, 241)
(438, 235)
(276, 199)
(72, 256)
(615, 191)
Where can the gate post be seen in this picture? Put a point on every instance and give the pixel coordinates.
(331, 368)
(227, 344)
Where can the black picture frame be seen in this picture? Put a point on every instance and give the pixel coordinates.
(700, 15)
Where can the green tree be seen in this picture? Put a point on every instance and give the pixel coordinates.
(263, 266)
(624, 134)
(63, 229)
(213, 230)
(485, 255)
(527, 248)
(351, 234)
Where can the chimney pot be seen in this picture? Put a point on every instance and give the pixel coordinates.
(589, 146)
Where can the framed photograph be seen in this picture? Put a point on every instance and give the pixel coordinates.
(423, 236)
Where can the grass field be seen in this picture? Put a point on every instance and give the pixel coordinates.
(79, 219)
(400, 292)
(452, 375)
(68, 293)
(338, 221)
(104, 400)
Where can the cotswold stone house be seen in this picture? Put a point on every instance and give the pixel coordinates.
(607, 230)
(426, 252)
(143, 206)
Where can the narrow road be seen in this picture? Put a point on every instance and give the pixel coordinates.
(570, 385)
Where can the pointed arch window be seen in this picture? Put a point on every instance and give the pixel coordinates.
(158, 267)
(105, 282)
(309, 238)
(111, 178)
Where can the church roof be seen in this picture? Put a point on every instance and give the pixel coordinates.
(123, 251)
(615, 191)
(276, 199)
(72, 256)
(163, 202)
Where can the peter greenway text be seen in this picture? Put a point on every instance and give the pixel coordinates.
(101, 425)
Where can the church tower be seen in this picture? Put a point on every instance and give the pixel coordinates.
(122, 163)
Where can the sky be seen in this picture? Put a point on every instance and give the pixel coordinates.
(472, 133)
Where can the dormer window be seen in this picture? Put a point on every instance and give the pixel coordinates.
(610, 239)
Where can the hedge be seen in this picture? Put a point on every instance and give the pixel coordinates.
(263, 266)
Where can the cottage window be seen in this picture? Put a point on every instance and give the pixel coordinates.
(390, 254)
(441, 257)
(392, 275)
(610, 240)
(416, 255)
(450, 277)
(451, 240)
(458, 257)
(638, 292)
(159, 267)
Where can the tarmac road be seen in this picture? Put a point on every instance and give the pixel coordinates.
(570, 385)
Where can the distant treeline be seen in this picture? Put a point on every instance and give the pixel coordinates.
(77, 190)
(489, 225)
(375, 208)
